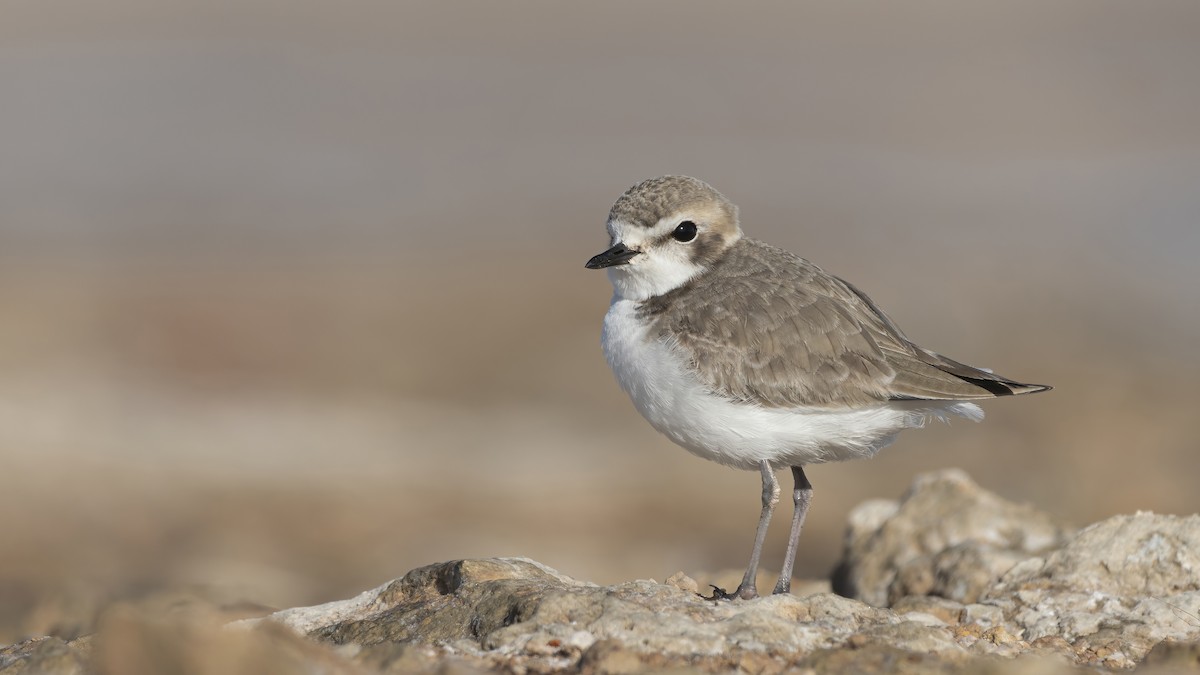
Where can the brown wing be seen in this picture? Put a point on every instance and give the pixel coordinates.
(774, 329)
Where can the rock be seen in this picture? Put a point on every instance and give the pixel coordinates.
(1176, 657)
(947, 537)
(1116, 590)
(519, 615)
(1102, 597)
(1116, 593)
(131, 641)
(45, 655)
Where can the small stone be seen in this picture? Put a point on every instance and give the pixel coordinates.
(610, 657)
(998, 635)
(948, 612)
(1052, 643)
(985, 615)
(683, 582)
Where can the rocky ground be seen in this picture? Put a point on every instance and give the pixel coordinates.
(949, 579)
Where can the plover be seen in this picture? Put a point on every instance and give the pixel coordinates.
(755, 358)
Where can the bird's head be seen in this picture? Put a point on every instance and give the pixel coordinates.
(664, 232)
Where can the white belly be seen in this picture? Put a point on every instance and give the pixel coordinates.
(739, 434)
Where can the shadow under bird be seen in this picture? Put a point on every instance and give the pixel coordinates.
(750, 356)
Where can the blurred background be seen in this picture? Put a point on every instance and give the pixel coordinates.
(292, 296)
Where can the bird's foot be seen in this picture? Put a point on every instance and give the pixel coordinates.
(741, 593)
(718, 593)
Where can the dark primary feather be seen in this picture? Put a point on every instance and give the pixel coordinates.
(768, 327)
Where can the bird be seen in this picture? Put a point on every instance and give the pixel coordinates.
(755, 358)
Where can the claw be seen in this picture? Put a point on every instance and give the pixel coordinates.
(721, 594)
(717, 594)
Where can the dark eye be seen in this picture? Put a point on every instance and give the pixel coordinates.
(685, 231)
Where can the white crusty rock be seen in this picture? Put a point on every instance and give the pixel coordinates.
(1116, 589)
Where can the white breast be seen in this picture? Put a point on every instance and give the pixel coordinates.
(738, 434)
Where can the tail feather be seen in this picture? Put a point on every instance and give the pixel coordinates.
(985, 379)
(927, 375)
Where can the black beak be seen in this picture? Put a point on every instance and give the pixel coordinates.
(617, 255)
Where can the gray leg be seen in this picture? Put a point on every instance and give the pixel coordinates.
(770, 497)
(801, 498)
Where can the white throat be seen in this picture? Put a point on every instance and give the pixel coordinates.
(645, 277)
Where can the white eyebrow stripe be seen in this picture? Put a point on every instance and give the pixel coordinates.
(634, 235)
(667, 225)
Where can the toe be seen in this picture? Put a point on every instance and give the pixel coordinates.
(718, 593)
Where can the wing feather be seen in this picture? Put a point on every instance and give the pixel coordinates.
(773, 329)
